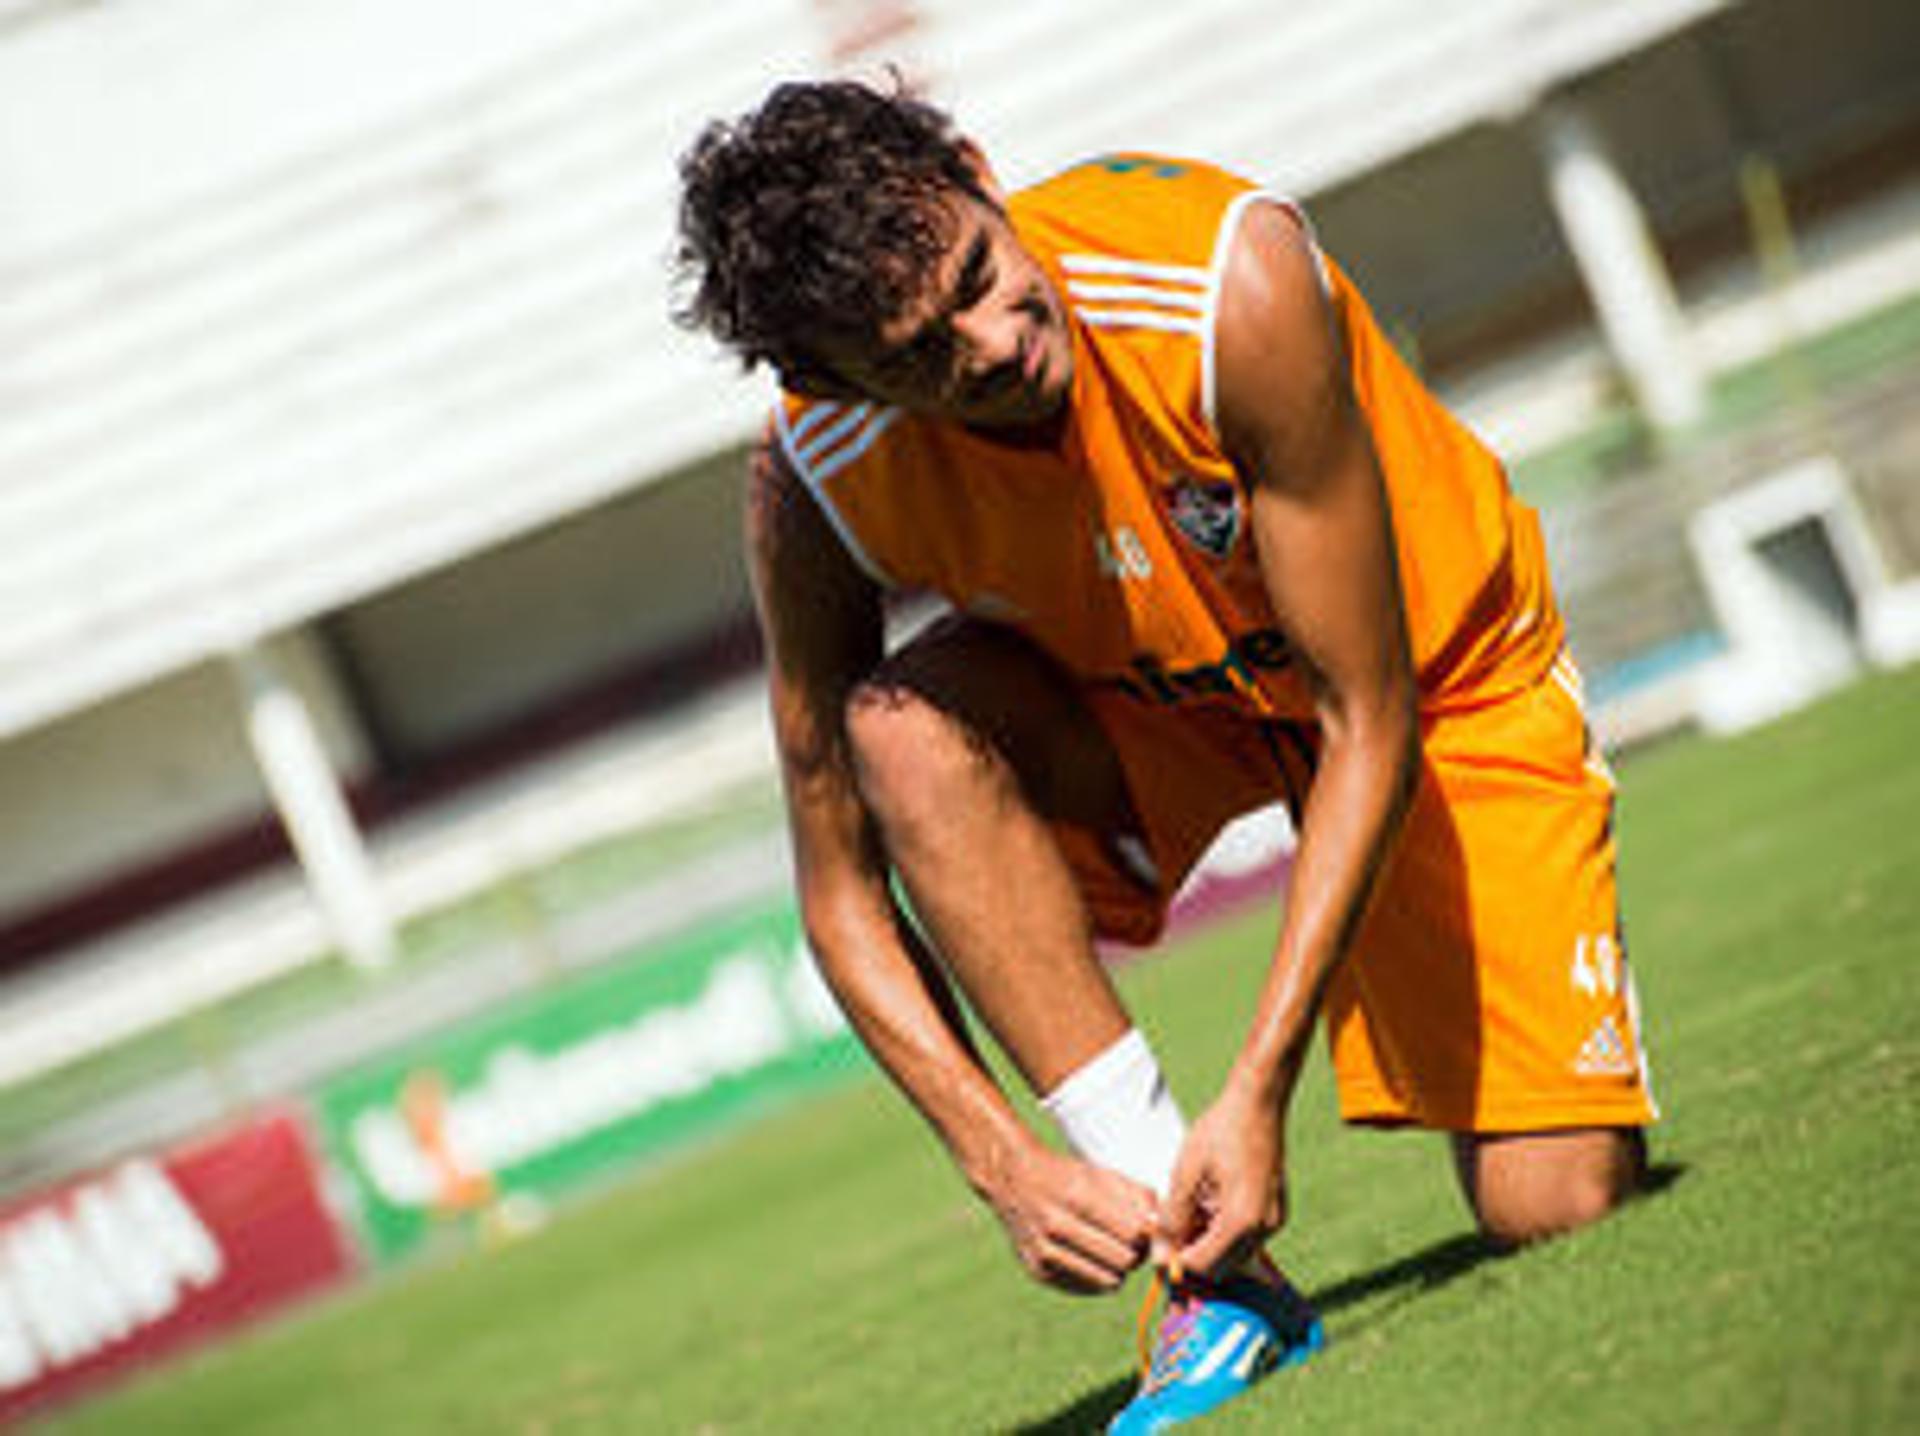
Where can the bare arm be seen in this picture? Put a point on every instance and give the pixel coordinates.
(822, 621)
(821, 616)
(1322, 529)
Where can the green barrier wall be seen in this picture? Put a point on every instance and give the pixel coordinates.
(578, 1080)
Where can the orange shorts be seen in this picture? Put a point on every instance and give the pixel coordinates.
(1487, 989)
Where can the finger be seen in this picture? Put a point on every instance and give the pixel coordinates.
(1118, 1205)
(1209, 1253)
(1111, 1251)
(1177, 1220)
(1168, 1248)
(1161, 1252)
(1066, 1269)
(1180, 1212)
(1217, 1247)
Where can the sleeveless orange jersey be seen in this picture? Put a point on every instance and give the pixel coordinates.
(1125, 552)
(1470, 998)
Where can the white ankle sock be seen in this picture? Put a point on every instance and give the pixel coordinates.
(1116, 1112)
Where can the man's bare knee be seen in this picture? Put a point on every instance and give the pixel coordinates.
(909, 757)
(1577, 1201)
(1531, 1186)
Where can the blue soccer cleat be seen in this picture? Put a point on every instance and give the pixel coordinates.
(1216, 1340)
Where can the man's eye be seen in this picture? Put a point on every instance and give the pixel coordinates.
(979, 286)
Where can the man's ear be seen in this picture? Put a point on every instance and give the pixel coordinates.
(975, 160)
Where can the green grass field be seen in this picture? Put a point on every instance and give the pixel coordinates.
(826, 1272)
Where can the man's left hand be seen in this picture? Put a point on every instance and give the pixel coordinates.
(1229, 1189)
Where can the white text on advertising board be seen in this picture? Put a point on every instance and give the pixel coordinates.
(528, 1103)
(92, 1268)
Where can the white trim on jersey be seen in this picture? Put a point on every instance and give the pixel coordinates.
(801, 454)
(815, 416)
(1643, 1062)
(1108, 292)
(1134, 268)
(873, 428)
(1167, 298)
(1217, 277)
(1143, 319)
(810, 446)
(1568, 677)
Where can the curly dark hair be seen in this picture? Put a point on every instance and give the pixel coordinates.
(808, 219)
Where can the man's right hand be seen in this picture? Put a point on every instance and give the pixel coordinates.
(1074, 1226)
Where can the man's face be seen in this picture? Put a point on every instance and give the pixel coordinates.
(985, 342)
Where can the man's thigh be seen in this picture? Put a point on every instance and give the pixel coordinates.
(1133, 791)
(998, 694)
(1489, 989)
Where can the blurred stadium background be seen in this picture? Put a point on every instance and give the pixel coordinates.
(376, 670)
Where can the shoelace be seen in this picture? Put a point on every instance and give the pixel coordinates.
(1181, 1310)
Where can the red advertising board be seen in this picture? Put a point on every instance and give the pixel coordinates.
(158, 1253)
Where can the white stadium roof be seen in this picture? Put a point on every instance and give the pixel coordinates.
(287, 316)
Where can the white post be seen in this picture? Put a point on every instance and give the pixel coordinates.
(307, 792)
(1623, 271)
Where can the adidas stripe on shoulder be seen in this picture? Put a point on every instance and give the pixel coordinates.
(1109, 292)
(1217, 278)
(824, 440)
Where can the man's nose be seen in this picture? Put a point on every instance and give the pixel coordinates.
(988, 339)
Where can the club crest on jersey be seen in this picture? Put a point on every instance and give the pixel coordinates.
(1207, 512)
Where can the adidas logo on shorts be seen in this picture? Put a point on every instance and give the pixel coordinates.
(1604, 1053)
